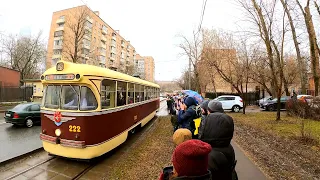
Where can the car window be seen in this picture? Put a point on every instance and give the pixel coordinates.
(230, 98)
(34, 107)
(222, 99)
(20, 107)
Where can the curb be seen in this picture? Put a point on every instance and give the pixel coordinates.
(2, 163)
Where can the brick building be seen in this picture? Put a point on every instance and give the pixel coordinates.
(9, 77)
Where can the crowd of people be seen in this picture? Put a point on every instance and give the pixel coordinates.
(208, 155)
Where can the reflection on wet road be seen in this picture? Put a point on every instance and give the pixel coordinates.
(16, 140)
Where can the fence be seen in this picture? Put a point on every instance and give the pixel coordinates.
(250, 97)
(12, 94)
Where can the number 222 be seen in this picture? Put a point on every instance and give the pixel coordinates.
(74, 128)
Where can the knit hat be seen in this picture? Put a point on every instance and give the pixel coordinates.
(181, 135)
(215, 106)
(190, 158)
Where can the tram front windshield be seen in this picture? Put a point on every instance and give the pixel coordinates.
(69, 97)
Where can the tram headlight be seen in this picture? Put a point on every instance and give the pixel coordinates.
(57, 132)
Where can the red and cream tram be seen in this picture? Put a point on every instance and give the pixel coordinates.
(88, 110)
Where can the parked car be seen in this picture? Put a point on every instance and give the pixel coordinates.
(264, 100)
(229, 102)
(26, 114)
(272, 105)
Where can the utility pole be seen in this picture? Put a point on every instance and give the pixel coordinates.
(189, 73)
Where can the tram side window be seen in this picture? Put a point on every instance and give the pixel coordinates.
(52, 97)
(139, 93)
(148, 92)
(108, 91)
(121, 93)
(70, 97)
(88, 100)
(130, 93)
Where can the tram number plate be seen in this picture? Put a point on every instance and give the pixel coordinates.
(74, 128)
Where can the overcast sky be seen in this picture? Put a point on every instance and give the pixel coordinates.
(152, 26)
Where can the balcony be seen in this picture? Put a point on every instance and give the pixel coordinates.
(85, 56)
(58, 38)
(122, 62)
(104, 39)
(112, 58)
(102, 53)
(114, 38)
(88, 28)
(104, 31)
(88, 37)
(60, 21)
(89, 19)
(86, 46)
(103, 46)
(56, 56)
(57, 46)
(61, 28)
(122, 45)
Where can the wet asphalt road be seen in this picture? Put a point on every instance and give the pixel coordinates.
(16, 141)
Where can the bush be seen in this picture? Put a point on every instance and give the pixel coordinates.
(307, 109)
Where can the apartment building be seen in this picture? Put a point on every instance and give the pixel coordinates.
(145, 67)
(79, 35)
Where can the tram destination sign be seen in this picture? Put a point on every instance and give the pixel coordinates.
(59, 77)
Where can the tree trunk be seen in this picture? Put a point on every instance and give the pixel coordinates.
(302, 68)
(314, 54)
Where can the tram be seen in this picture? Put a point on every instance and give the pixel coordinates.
(87, 110)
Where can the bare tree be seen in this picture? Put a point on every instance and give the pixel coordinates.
(76, 42)
(262, 15)
(229, 59)
(192, 48)
(313, 46)
(24, 53)
(302, 67)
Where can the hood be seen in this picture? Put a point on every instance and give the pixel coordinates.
(204, 105)
(215, 106)
(189, 101)
(218, 130)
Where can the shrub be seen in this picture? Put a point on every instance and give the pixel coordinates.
(309, 108)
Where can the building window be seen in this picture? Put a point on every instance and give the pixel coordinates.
(61, 17)
(58, 33)
(57, 51)
(58, 42)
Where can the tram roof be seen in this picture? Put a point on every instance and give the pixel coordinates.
(86, 69)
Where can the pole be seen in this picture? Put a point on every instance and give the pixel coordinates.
(189, 73)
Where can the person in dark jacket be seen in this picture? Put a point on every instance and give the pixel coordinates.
(190, 161)
(187, 113)
(204, 112)
(218, 132)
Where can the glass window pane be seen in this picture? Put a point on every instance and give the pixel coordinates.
(70, 97)
(88, 100)
(121, 93)
(52, 97)
(108, 94)
(130, 93)
(143, 93)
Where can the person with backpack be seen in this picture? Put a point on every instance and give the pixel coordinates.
(218, 130)
(187, 114)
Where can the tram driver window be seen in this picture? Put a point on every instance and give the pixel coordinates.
(87, 99)
(70, 97)
(52, 94)
(121, 93)
(108, 91)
